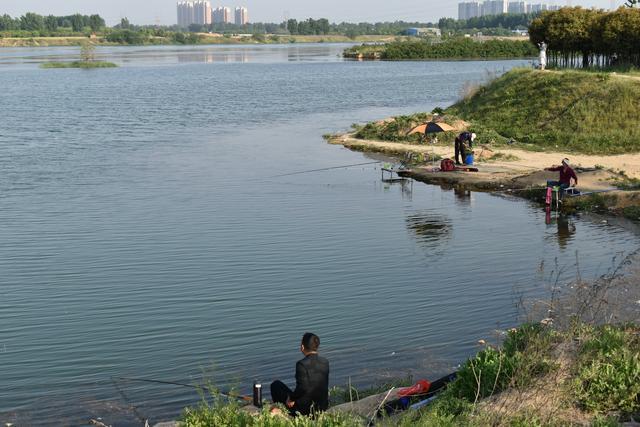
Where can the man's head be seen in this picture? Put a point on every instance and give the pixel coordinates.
(310, 343)
(565, 162)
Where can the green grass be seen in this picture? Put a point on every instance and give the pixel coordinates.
(79, 64)
(608, 370)
(595, 113)
(231, 415)
(603, 381)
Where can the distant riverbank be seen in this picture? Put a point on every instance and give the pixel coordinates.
(452, 48)
(200, 39)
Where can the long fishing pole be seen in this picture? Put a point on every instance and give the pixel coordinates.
(231, 396)
(324, 169)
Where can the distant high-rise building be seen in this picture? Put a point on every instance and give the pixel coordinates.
(185, 14)
(535, 8)
(242, 16)
(202, 12)
(198, 12)
(495, 7)
(518, 7)
(471, 9)
(222, 15)
(467, 10)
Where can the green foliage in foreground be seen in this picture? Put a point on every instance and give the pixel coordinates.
(230, 415)
(592, 113)
(79, 64)
(524, 355)
(608, 371)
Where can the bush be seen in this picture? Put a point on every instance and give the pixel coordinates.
(523, 357)
(608, 373)
(127, 37)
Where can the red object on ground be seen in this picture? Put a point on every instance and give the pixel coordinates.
(420, 387)
(447, 165)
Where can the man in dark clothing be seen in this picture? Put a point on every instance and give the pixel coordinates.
(566, 174)
(460, 149)
(312, 381)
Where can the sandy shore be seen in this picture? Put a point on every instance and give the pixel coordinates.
(512, 166)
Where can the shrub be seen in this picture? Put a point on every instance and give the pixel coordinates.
(608, 372)
(523, 357)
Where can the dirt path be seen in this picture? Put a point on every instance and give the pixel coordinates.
(523, 163)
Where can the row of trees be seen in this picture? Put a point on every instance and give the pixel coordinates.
(312, 26)
(50, 24)
(309, 27)
(458, 48)
(578, 37)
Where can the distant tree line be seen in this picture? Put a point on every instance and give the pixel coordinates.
(46, 25)
(312, 26)
(578, 37)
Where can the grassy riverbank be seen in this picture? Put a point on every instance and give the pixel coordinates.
(527, 120)
(568, 111)
(594, 113)
(539, 375)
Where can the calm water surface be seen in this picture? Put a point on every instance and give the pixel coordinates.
(143, 233)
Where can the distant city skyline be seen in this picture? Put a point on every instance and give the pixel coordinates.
(163, 12)
(476, 8)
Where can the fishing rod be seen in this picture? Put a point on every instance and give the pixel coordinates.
(228, 395)
(324, 169)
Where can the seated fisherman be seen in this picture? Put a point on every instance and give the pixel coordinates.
(460, 148)
(312, 381)
(566, 174)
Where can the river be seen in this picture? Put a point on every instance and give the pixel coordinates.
(144, 233)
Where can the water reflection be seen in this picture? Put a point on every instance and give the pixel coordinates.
(566, 227)
(406, 187)
(166, 55)
(211, 57)
(432, 231)
(462, 194)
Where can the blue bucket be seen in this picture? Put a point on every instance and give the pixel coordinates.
(469, 159)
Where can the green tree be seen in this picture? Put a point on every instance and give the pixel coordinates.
(77, 22)
(51, 23)
(323, 26)
(292, 26)
(32, 22)
(96, 22)
(124, 23)
(7, 23)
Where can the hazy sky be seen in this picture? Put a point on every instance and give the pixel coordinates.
(164, 11)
